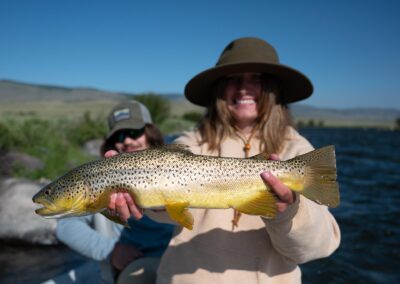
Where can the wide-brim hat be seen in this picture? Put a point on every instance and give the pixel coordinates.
(127, 115)
(249, 55)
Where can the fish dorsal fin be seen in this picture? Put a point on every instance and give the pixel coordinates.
(261, 156)
(177, 148)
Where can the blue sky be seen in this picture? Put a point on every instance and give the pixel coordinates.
(349, 49)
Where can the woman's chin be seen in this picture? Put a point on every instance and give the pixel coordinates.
(245, 115)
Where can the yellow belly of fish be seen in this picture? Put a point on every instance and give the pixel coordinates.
(218, 195)
(250, 197)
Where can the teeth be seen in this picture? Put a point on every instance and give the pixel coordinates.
(245, 102)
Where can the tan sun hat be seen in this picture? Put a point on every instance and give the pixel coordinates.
(128, 115)
(249, 55)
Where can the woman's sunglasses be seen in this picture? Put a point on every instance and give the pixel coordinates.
(120, 136)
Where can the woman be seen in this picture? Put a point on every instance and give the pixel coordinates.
(94, 236)
(246, 95)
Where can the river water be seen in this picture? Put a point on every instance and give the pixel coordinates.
(368, 164)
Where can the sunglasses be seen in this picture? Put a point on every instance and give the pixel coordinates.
(120, 136)
(239, 79)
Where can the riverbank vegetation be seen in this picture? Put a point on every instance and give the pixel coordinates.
(58, 141)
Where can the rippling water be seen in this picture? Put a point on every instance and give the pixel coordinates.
(368, 164)
(369, 176)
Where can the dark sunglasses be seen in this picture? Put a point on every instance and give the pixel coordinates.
(120, 136)
(238, 79)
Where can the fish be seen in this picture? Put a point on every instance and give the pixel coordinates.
(171, 177)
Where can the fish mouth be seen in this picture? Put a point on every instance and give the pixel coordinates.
(49, 209)
(53, 210)
(49, 213)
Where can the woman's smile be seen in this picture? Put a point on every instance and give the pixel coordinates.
(241, 95)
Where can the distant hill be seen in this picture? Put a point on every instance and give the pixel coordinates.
(12, 91)
(344, 117)
(17, 92)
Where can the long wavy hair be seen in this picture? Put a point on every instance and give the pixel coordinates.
(270, 127)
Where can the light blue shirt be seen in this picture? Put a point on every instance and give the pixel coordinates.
(95, 236)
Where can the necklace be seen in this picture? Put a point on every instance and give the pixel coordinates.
(246, 149)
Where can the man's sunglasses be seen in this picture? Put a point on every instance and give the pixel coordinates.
(120, 136)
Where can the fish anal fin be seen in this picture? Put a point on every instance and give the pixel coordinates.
(261, 203)
(178, 212)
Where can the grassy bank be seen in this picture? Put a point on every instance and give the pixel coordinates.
(57, 143)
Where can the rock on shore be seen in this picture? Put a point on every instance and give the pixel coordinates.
(13, 159)
(18, 220)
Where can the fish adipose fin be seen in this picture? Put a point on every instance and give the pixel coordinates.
(320, 175)
(261, 203)
(178, 212)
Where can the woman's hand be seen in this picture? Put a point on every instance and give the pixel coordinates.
(121, 203)
(286, 197)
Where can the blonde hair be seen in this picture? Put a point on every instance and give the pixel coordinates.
(271, 125)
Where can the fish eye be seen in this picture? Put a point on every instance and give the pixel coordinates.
(47, 192)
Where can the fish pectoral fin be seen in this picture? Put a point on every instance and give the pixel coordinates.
(261, 203)
(178, 212)
(115, 219)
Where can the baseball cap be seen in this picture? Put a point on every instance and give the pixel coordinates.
(128, 115)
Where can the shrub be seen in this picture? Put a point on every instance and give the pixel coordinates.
(56, 143)
(86, 128)
(158, 106)
(193, 116)
(6, 138)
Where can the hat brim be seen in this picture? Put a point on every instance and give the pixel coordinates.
(295, 86)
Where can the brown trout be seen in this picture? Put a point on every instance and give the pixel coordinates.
(173, 178)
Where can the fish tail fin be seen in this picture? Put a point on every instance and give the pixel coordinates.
(261, 203)
(320, 175)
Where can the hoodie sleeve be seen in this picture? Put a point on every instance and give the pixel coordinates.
(306, 230)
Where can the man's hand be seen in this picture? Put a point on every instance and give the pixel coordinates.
(121, 203)
(124, 206)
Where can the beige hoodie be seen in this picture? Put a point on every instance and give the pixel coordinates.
(258, 250)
